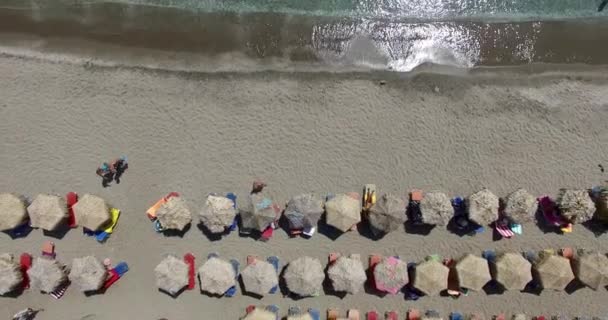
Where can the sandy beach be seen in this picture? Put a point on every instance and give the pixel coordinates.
(197, 133)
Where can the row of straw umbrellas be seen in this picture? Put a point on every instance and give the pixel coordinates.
(47, 275)
(50, 212)
(305, 275)
(388, 213)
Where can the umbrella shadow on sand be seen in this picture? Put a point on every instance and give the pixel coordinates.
(328, 288)
(596, 227)
(328, 230)
(174, 296)
(365, 230)
(58, 233)
(210, 235)
(176, 233)
(418, 229)
(247, 293)
(283, 286)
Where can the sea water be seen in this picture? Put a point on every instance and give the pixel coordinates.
(378, 34)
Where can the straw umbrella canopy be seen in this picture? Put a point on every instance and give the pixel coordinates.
(260, 314)
(88, 273)
(259, 212)
(521, 206)
(513, 271)
(347, 274)
(304, 276)
(171, 274)
(218, 213)
(431, 277)
(554, 272)
(592, 269)
(575, 205)
(216, 276)
(46, 274)
(174, 214)
(304, 211)
(436, 208)
(259, 277)
(47, 212)
(343, 212)
(601, 203)
(91, 212)
(390, 275)
(387, 214)
(483, 207)
(10, 274)
(12, 211)
(473, 272)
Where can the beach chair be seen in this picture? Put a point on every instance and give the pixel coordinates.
(333, 314)
(234, 224)
(48, 249)
(374, 259)
(294, 311)
(503, 229)
(372, 315)
(232, 291)
(353, 314)
(59, 292)
(309, 232)
(190, 261)
(456, 316)
(274, 261)
(315, 314)
(151, 212)
(115, 273)
(71, 198)
(121, 268)
(517, 228)
(25, 263)
(102, 235)
(392, 315)
(267, 234)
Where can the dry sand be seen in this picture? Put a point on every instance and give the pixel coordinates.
(201, 133)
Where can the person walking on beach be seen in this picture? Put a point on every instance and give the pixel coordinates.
(106, 174)
(119, 166)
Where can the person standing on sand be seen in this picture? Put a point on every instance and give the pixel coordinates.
(119, 166)
(106, 174)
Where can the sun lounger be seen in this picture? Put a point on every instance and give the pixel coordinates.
(151, 212)
(71, 198)
(456, 316)
(48, 249)
(294, 311)
(353, 314)
(25, 262)
(392, 315)
(333, 314)
(232, 291)
(234, 224)
(274, 261)
(372, 315)
(517, 228)
(267, 234)
(116, 273)
(309, 232)
(103, 234)
(121, 268)
(503, 230)
(59, 292)
(190, 261)
(374, 259)
(315, 314)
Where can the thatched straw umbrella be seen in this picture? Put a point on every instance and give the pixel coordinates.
(513, 271)
(347, 274)
(575, 205)
(390, 275)
(304, 276)
(483, 207)
(259, 277)
(216, 276)
(431, 277)
(260, 314)
(218, 213)
(91, 212)
(554, 272)
(174, 214)
(10, 274)
(436, 208)
(47, 212)
(521, 206)
(591, 268)
(12, 211)
(473, 272)
(171, 275)
(46, 274)
(88, 273)
(304, 211)
(387, 214)
(259, 212)
(343, 212)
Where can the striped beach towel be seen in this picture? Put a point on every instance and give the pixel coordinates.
(504, 231)
(59, 292)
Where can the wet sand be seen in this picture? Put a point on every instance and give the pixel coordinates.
(197, 133)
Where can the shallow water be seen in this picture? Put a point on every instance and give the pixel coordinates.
(395, 35)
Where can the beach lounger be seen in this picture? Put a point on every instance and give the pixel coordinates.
(48, 249)
(71, 198)
(59, 292)
(517, 228)
(315, 314)
(121, 268)
(151, 212)
(267, 234)
(294, 311)
(309, 232)
(103, 234)
(190, 261)
(374, 259)
(353, 314)
(392, 315)
(25, 262)
(232, 291)
(333, 314)
(456, 316)
(115, 273)
(372, 315)
(503, 230)
(234, 224)
(274, 261)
